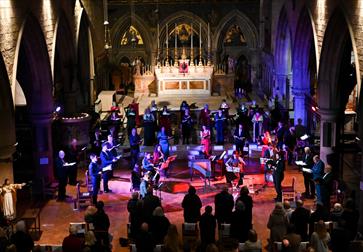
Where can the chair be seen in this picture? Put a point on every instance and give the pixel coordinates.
(328, 225)
(88, 182)
(289, 192)
(82, 198)
(224, 231)
(190, 233)
(304, 245)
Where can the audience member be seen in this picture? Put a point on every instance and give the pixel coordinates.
(3, 240)
(239, 225)
(172, 241)
(320, 238)
(336, 212)
(248, 204)
(288, 209)
(159, 225)
(319, 214)
(90, 214)
(101, 224)
(212, 248)
(191, 205)
(72, 243)
(351, 216)
(223, 206)
(277, 223)
(291, 241)
(253, 243)
(339, 237)
(21, 239)
(300, 219)
(144, 239)
(90, 242)
(207, 227)
(150, 203)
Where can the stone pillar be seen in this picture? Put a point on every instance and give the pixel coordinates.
(43, 150)
(328, 132)
(300, 107)
(280, 87)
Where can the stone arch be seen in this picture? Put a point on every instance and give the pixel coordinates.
(184, 17)
(123, 24)
(66, 86)
(336, 36)
(247, 26)
(7, 119)
(85, 61)
(283, 48)
(304, 64)
(33, 72)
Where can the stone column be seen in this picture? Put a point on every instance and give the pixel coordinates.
(7, 145)
(280, 86)
(300, 107)
(43, 150)
(328, 132)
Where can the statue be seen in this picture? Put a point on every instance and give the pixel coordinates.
(8, 192)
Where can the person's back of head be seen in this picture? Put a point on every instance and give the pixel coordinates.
(240, 206)
(100, 205)
(228, 245)
(158, 211)
(144, 227)
(212, 248)
(20, 226)
(208, 210)
(252, 235)
(299, 203)
(135, 195)
(72, 230)
(89, 238)
(192, 190)
(287, 205)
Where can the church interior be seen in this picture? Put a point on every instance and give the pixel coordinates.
(91, 86)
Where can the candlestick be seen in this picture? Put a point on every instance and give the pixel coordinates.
(175, 47)
(208, 52)
(191, 46)
(208, 36)
(200, 35)
(167, 45)
(158, 36)
(105, 11)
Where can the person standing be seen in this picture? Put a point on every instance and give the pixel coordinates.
(163, 139)
(219, 120)
(224, 204)
(149, 128)
(239, 225)
(61, 173)
(207, 227)
(317, 174)
(205, 140)
(164, 120)
(290, 143)
(257, 120)
(277, 223)
(240, 136)
(278, 175)
(187, 125)
(191, 205)
(204, 118)
(135, 141)
(320, 238)
(94, 172)
(248, 204)
(308, 182)
(106, 163)
(280, 133)
(300, 219)
(326, 186)
(131, 119)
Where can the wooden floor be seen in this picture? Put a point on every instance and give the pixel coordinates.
(56, 216)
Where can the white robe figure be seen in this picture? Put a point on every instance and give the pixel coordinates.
(8, 192)
(257, 121)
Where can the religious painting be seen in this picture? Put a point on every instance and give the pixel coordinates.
(183, 33)
(183, 67)
(234, 36)
(131, 37)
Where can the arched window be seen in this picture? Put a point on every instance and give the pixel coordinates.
(131, 37)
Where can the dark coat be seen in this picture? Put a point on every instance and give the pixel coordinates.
(159, 226)
(192, 205)
(248, 203)
(223, 206)
(300, 218)
(207, 226)
(239, 226)
(150, 203)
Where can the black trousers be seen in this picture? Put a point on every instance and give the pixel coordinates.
(72, 174)
(105, 178)
(309, 184)
(134, 157)
(186, 134)
(62, 189)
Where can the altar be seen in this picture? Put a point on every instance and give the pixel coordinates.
(171, 80)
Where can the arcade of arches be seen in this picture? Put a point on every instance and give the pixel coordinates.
(305, 56)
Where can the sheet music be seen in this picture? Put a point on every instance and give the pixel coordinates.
(69, 164)
(307, 170)
(107, 168)
(232, 169)
(301, 163)
(304, 137)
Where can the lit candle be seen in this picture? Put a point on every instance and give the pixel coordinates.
(208, 36)
(191, 39)
(175, 37)
(105, 11)
(157, 31)
(200, 35)
(166, 31)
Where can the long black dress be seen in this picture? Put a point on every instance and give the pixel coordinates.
(149, 129)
